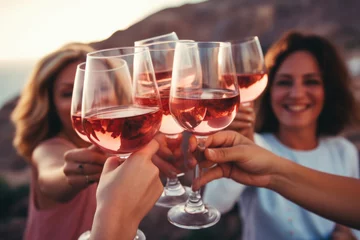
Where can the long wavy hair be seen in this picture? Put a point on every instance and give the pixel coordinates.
(35, 117)
(340, 108)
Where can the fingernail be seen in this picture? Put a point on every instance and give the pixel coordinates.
(211, 153)
(250, 118)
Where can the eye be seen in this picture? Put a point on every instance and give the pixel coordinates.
(66, 94)
(283, 83)
(312, 82)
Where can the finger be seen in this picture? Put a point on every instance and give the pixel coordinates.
(85, 155)
(165, 167)
(79, 181)
(95, 148)
(240, 125)
(245, 117)
(148, 151)
(212, 174)
(82, 168)
(192, 144)
(226, 139)
(111, 164)
(174, 141)
(223, 155)
(247, 104)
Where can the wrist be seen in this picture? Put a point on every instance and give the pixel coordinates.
(110, 222)
(281, 174)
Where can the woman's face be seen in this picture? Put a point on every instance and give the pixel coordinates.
(62, 94)
(297, 93)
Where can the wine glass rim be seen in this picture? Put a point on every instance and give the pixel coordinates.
(81, 66)
(123, 64)
(245, 40)
(166, 42)
(209, 44)
(142, 49)
(152, 38)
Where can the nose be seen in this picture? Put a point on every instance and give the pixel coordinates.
(297, 90)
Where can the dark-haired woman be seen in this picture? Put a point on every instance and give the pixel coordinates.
(307, 103)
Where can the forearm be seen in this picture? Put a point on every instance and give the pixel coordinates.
(55, 185)
(110, 224)
(333, 197)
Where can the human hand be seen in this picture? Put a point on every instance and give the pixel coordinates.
(244, 121)
(342, 233)
(238, 158)
(83, 166)
(125, 194)
(173, 157)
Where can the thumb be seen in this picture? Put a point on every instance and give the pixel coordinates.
(223, 155)
(111, 164)
(95, 148)
(149, 150)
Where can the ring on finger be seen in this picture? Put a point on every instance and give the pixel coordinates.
(81, 168)
(87, 179)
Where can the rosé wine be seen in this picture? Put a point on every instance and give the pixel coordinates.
(251, 85)
(122, 130)
(77, 125)
(206, 112)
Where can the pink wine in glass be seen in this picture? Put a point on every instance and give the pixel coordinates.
(77, 125)
(121, 130)
(251, 85)
(168, 124)
(206, 112)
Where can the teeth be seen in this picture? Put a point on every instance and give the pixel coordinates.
(296, 108)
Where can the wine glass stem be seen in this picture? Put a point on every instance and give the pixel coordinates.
(195, 204)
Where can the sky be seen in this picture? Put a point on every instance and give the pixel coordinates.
(32, 28)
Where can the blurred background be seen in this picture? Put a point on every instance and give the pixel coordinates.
(31, 30)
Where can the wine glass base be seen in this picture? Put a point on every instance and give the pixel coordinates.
(182, 219)
(169, 201)
(139, 235)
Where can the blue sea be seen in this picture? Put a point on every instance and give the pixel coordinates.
(13, 75)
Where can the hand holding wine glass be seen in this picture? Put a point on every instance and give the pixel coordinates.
(121, 108)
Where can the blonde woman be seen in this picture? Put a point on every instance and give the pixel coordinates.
(64, 167)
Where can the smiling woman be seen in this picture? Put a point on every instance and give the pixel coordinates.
(306, 104)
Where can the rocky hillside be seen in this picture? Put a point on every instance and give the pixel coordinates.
(211, 20)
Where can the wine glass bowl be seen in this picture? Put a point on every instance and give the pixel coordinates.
(121, 104)
(76, 101)
(250, 67)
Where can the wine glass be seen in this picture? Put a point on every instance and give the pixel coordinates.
(121, 107)
(204, 98)
(250, 68)
(162, 56)
(76, 101)
(165, 37)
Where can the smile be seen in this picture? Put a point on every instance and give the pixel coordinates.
(296, 108)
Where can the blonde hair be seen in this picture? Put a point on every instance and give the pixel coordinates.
(35, 116)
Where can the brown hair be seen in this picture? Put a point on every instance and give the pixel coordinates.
(340, 109)
(35, 117)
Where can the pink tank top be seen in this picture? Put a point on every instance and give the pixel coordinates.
(66, 221)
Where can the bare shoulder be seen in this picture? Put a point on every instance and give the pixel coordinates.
(53, 148)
